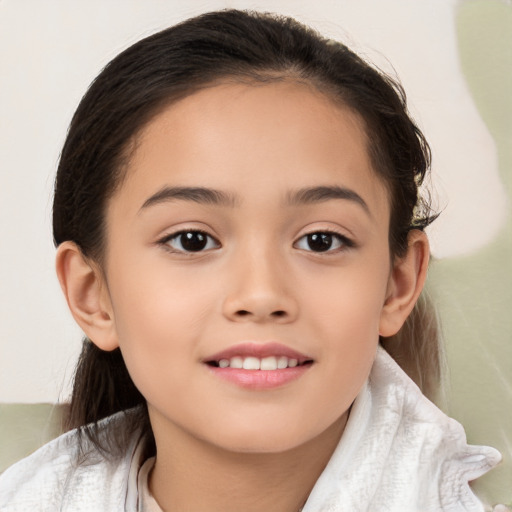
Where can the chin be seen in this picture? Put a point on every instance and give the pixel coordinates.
(270, 438)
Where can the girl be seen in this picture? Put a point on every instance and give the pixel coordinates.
(240, 237)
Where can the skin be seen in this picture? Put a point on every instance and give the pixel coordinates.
(220, 445)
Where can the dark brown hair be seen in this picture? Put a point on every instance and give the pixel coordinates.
(178, 61)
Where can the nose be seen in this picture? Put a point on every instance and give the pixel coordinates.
(258, 291)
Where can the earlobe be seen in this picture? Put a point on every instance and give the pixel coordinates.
(405, 284)
(87, 295)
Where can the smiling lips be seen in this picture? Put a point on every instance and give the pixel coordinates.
(254, 363)
(259, 366)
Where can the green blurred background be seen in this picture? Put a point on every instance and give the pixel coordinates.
(474, 293)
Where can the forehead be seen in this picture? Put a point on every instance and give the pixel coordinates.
(254, 138)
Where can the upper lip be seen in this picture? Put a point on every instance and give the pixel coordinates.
(259, 350)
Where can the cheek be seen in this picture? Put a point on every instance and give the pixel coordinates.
(158, 321)
(347, 302)
(344, 311)
(150, 299)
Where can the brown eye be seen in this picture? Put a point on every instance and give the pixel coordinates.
(191, 241)
(320, 242)
(323, 241)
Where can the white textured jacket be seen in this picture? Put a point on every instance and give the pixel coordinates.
(399, 453)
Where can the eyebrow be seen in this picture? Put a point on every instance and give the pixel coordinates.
(303, 196)
(200, 195)
(320, 194)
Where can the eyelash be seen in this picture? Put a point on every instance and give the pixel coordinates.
(211, 243)
(343, 241)
(177, 236)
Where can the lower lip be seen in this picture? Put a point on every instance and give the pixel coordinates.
(260, 379)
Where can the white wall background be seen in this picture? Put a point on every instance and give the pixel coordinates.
(49, 53)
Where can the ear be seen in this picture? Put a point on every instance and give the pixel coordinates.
(87, 295)
(405, 284)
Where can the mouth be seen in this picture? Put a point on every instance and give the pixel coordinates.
(269, 363)
(259, 366)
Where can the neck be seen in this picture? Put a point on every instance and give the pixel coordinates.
(191, 474)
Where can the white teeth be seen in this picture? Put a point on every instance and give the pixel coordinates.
(251, 363)
(254, 363)
(282, 362)
(268, 363)
(236, 362)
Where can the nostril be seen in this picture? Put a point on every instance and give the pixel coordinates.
(242, 312)
(278, 314)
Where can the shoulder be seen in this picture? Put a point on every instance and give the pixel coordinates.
(70, 475)
(427, 449)
(400, 452)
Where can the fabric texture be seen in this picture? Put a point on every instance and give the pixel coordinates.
(146, 502)
(399, 453)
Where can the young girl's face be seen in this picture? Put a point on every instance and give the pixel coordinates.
(250, 230)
